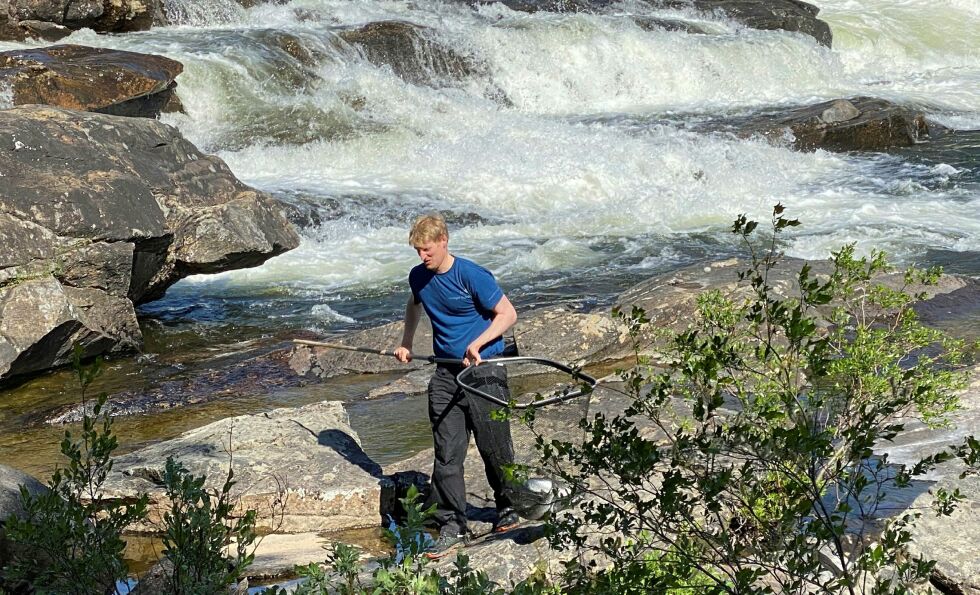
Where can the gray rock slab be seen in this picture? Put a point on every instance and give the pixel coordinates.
(953, 541)
(98, 15)
(780, 15)
(41, 320)
(324, 362)
(309, 455)
(553, 333)
(11, 481)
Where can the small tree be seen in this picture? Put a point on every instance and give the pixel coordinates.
(744, 460)
(69, 540)
(198, 530)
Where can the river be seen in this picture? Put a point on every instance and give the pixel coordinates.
(571, 162)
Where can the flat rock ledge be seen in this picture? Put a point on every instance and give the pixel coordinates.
(91, 79)
(578, 338)
(101, 212)
(308, 456)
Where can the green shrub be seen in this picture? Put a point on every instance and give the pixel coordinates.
(744, 462)
(198, 529)
(70, 538)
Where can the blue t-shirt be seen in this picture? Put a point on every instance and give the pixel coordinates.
(459, 304)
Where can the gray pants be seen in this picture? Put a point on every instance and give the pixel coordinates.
(454, 414)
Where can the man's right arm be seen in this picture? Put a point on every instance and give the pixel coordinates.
(413, 313)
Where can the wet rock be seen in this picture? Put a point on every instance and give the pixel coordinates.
(40, 30)
(258, 375)
(857, 124)
(413, 383)
(410, 52)
(768, 15)
(549, 5)
(554, 333)
(34, 18)
(324, 362)
(90, 79)
(659, 24)
(41, 320)
(308, 455)
(102, 213)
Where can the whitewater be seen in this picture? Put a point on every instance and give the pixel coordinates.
(572, 161)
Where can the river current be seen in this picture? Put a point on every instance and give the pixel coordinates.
(571, 161)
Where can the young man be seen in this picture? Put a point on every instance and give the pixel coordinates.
(469, 314)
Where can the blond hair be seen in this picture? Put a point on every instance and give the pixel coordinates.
(428, 228)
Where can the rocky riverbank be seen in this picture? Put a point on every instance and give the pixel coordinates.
(309, 461)
(102, 208)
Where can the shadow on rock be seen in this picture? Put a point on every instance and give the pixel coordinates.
(346, 446)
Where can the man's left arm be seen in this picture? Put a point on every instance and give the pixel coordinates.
(504, 317)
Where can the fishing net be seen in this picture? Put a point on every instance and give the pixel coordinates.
(547, 400)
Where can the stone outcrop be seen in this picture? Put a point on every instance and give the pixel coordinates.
(856, 124)
(90, 79)
(409, 51)
(98, 213)
(53, 19)
(308, 455)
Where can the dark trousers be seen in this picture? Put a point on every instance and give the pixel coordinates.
(455, 414)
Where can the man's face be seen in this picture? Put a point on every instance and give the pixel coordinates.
(433, 254)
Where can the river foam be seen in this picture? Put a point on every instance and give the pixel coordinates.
(571, 152)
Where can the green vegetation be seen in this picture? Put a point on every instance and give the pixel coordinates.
(743, 463)
(197, 529)
(70, 539)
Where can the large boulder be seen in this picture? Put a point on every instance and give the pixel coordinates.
(99, 213)
(856, 124)
(90, 79)
(54, 19)
(309, 456)
(410, 51)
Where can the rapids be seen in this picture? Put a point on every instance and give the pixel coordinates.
(566, 160)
